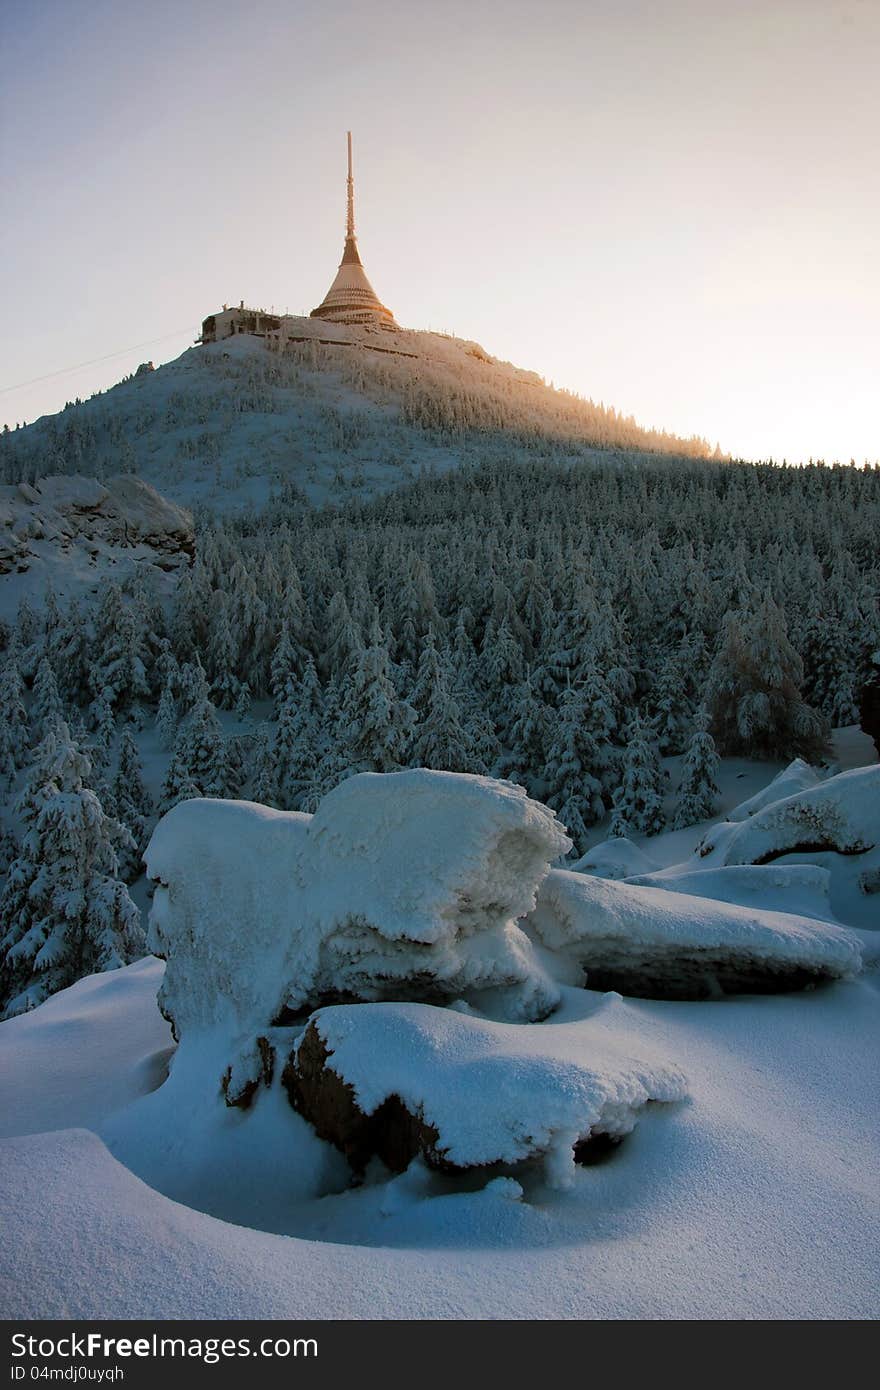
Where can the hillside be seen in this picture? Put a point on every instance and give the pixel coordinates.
(344, 410)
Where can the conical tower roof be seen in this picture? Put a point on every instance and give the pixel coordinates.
(351, 298)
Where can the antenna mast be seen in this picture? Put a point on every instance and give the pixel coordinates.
(349, 221)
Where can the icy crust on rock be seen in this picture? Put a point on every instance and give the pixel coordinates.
(404, 883)
(496, 1092)
(414, 881)
(799, 776)
(647, 941)
(840, 815)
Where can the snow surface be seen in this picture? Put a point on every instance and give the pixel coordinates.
(756, 1199)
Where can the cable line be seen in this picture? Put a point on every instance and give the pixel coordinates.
(64, 371)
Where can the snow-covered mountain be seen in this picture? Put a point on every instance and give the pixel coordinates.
(343, 410)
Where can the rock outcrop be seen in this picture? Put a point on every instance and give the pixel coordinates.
(400, 1081)
(68, 510)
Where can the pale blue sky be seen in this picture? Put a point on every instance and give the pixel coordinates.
(669, 206)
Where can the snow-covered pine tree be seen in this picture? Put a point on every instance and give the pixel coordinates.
(379, 724)
(569, 772)
(65, 910)
(440, 739)
(199, 764)
(46, 705)
(527, 720)
(753, 693)
(295, 751)
(192, 687)
(698, 796)
(132, 805)
(13, 720)
(166, 714)
(638, 801)
(103, 723)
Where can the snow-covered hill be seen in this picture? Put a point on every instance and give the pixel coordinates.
(343, 410)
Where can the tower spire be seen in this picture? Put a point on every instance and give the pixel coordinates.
(351, 298)
(349, 221)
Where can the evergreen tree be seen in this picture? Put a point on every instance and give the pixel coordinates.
(379, 723)
(132, 806)
(199, 764)
(753, 695)
(569, 773)
(46, 706)
(13, 720)
(66, 912)
(698, 796)
(166, 715)
(638, 801)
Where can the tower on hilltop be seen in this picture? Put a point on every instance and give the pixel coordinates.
(351, 298)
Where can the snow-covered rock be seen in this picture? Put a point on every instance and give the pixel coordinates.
(72, 533)
(614, 858)
(841, 815)
(657, 944)
(804, 889)
(401, 1080)
(70, 509)
(799, 776)
(415, 881)
(406, 885)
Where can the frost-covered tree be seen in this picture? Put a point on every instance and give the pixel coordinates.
(291, 760)
(166, 714)
(638, 801)
(753, 694)
(132, 805)
(200, 763)
(698, 796)
(46, 705)
(379, 723)
(570, 770)
(441, 740)
(65, 911)
(103, 722)
(13, 720)
(192, 686)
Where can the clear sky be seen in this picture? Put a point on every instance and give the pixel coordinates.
(669, 205)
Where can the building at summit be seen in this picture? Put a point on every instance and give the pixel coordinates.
(350, 299)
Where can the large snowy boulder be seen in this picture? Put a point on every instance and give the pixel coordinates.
(662, 945)
(414, 883)
(841, 815)
(403, 886)
(401, 1080)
